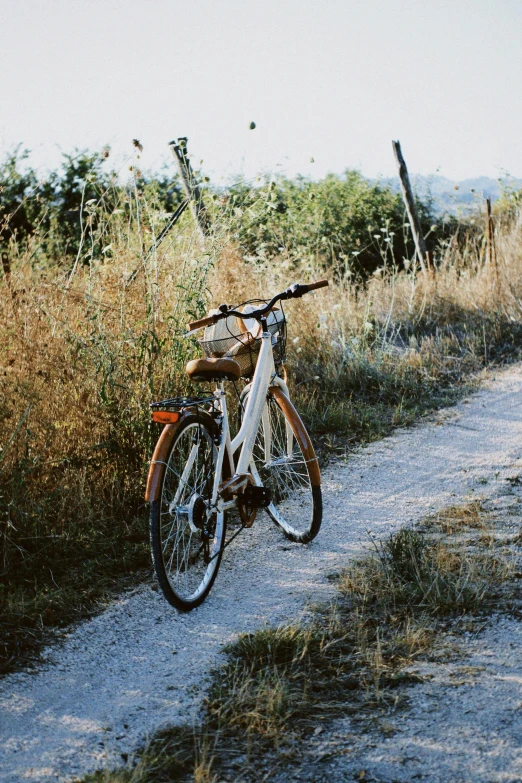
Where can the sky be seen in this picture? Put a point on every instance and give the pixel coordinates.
(330, 80)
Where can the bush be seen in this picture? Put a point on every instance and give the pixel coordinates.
(346, 223)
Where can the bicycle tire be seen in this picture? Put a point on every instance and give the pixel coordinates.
(291, 471)
(186, 539)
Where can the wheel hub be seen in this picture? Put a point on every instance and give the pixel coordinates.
(197, 513)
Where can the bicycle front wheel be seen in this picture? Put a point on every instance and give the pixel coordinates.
(187, 535)
(284, 461)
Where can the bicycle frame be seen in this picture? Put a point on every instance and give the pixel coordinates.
(190, 484)
(256, 410)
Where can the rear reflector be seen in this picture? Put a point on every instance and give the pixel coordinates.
(165, 417)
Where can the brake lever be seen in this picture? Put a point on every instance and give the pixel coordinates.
(193, 331)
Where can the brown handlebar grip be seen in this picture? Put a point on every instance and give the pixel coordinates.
(207, 321)
(318, 284)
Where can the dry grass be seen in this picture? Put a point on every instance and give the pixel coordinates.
(80, 360)
(454, 518)
(184, 754)
(82, 353)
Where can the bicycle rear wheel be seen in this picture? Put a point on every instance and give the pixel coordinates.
(284, 461)
(187, 536)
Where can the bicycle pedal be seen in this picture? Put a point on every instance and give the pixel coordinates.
(256, 497)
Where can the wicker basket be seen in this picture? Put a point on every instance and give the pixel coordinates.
(227, 338)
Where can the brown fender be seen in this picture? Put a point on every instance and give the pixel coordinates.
(158, 459)
(299, 430)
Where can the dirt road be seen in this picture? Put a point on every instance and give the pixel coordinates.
(140, 665)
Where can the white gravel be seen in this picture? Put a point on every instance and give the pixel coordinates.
(140, 666)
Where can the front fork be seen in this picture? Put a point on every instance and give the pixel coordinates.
(275, 382)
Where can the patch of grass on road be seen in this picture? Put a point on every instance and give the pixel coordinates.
(278, 684)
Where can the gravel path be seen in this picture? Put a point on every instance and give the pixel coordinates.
(140, 665)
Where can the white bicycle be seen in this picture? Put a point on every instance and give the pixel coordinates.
(199, 472)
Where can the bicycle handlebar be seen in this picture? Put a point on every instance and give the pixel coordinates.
(295, 291)
(207, 321)
(317, 284)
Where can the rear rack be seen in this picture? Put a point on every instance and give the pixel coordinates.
(169, 411)
(179, 403)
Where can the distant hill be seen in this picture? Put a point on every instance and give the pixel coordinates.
(458, 196)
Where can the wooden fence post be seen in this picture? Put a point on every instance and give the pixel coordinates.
(190, 186)
(492, 255)
(409, 201)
